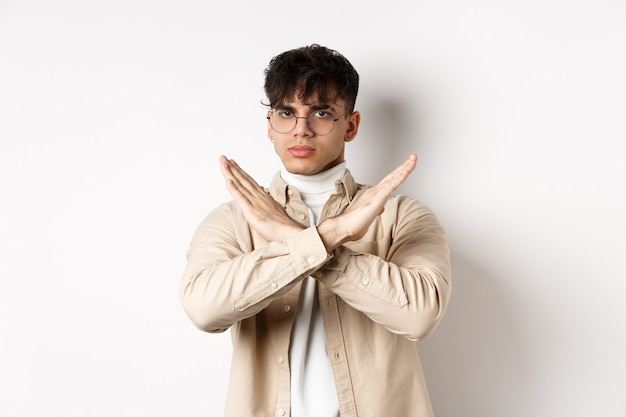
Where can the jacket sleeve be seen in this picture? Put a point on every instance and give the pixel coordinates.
(231, 275)
(399, 275)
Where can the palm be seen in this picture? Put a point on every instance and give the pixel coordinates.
(372, 203)
(263, 213)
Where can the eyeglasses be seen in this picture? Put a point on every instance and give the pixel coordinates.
(319, 122)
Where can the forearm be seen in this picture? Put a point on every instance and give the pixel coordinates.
(407, 301)
(232, 274)
(398, 274)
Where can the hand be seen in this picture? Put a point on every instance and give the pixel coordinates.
(263, 213)
(354, 222)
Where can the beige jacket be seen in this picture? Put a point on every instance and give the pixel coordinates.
(378, 296)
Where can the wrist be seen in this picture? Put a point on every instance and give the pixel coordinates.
(331, 234)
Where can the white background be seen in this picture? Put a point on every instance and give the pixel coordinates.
(112, 117)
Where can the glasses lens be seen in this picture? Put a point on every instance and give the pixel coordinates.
(322, 123)
(282, 122)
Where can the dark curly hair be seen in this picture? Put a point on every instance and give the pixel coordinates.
(309, 71)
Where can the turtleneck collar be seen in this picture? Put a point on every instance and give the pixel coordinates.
(322, 182)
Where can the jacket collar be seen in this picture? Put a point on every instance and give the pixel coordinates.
(279, 189)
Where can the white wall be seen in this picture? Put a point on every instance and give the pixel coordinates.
(113, 114)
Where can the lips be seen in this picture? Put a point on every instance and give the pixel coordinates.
(301, 151)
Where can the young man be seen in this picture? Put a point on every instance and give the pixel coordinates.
(324, 283)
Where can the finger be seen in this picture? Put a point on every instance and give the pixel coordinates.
(233, 185)
(244, 179)
(399, 175)
(225, 167)
(242, 199)
(235, 174)
(241, 181)
(407, 166)
(237, 169)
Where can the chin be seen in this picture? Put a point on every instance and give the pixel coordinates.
(303, 170)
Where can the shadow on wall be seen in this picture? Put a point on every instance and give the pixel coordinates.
(387, 135)
(474, 362)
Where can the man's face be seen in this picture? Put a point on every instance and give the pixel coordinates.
(302, 150)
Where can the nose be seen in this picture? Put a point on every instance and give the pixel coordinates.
(302, 127)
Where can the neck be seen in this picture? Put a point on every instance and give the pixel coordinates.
(320, 183)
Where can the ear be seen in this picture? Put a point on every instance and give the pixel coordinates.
(269, 127)
(353, 126)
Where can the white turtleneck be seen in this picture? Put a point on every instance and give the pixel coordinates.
(312, 386)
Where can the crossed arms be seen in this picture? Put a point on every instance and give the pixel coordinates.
(229, 277)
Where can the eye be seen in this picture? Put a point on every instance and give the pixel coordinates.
(284, 113)
(322, 114)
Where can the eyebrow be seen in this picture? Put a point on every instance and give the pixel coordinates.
(313, 107)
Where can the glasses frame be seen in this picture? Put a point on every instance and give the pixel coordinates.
(307, 123)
